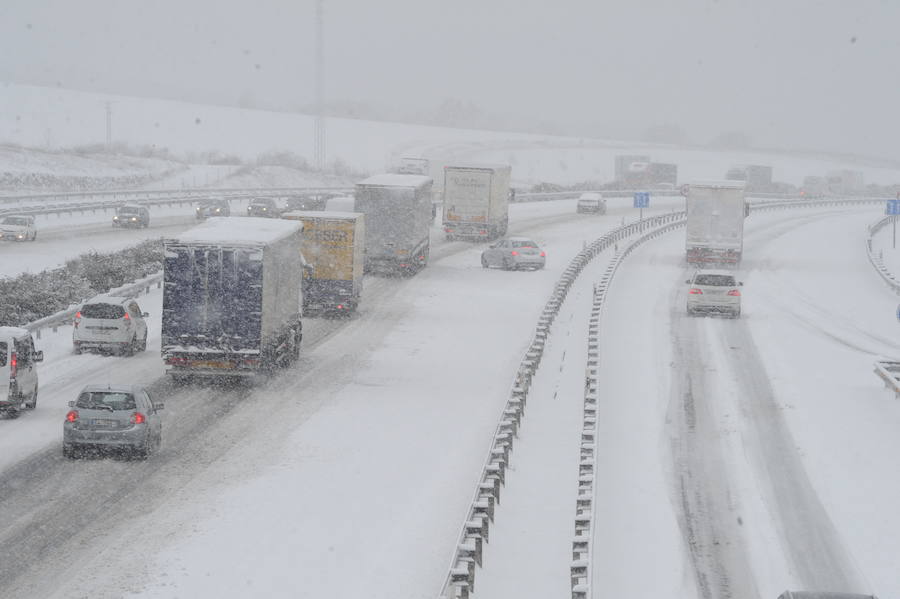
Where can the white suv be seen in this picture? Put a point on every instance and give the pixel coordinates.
(592, 202)
(110, 323)
(714, 291)
(18, 371)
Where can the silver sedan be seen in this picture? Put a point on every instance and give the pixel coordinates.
(514, 253)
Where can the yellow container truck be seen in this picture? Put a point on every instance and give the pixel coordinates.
(333, 249)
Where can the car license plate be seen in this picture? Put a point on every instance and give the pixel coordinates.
(104, 423)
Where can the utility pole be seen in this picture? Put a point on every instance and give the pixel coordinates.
(319, 143)
(108, 126)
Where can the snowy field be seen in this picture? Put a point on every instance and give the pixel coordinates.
(30, 115)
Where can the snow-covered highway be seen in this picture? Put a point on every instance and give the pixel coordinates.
(736, 458)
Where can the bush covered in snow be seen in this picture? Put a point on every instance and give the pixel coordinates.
(28, 297)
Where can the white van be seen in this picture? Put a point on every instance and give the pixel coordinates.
(18, 371)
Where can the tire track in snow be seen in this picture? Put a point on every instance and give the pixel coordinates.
(709, 512)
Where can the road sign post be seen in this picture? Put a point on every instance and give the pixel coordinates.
(642, 200)
(892, 209)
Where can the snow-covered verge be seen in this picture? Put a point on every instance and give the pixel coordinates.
(281, 176)
(29, 113)
(29, 297)
(24, 170)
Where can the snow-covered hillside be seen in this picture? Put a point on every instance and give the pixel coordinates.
(34, 116)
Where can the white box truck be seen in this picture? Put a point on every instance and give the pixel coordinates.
(476, 200)
(232, 298)
(715, 222)
(397, 209)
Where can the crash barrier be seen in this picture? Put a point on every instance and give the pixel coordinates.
(889, 372)
(582, 542)
(67, 203)
(876, 261)
(467, 556)
(65, 317)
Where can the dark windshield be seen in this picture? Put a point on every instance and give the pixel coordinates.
(115, 400)
(715, 280)
(15, 220)
(129, 210)
(102, 311)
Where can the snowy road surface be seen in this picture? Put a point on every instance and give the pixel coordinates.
(736, 459)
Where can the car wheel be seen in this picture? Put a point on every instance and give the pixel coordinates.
(484, 262)
(507, 264)
(34, 236)
(143, 346)
(129, 349)
(736, 313)
(143, 452)
(33, 403)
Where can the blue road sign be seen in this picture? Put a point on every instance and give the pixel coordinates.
(892, 209)
(642, 199)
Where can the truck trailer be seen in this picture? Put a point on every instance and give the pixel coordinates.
(476, 201)
(232, 298)
(397, 210)
(333, 251)
(715, 222)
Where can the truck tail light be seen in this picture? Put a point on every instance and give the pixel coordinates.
(734, 292)
(543, 255)
(695, 291)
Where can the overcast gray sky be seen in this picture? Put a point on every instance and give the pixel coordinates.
(790, 73)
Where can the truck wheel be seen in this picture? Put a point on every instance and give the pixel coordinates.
(69, 451)
(33, 403)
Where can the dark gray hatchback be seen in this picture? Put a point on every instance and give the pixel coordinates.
(113, 417)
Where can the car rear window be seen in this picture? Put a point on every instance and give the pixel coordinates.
(3, 350)
(518, 243)
(109, 311)
(115, 400)
(714, 280)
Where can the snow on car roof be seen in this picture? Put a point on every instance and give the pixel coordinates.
(397, 180)
(295, 214)
(726, 184)
(241, 230)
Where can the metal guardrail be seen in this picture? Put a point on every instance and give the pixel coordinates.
(876, 261)
(155, 198)
(64, 317)
(467, 556)
(889, 372)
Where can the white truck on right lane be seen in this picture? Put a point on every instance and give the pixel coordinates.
(715, 222)
(476, 201)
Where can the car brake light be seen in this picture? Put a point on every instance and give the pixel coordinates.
(138, 418)
(340, 306)
(543, 255)
(127, 316)
(695, 291)
(514, 253)
(734, 292)
(78, 315)
(13, 365)
(72, 416)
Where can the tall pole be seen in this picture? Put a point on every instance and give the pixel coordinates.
(319, 143)
(108, 125)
